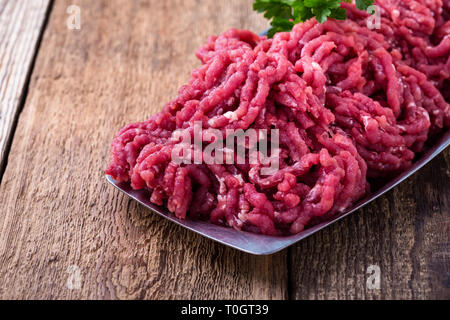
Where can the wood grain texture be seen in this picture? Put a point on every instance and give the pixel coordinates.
(406, 233)
(57, 210)
(21, 23)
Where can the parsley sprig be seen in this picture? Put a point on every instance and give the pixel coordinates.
(284, 14)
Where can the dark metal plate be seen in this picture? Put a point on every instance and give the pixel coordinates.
(263, 245)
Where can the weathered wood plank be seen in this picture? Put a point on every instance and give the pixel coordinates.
(58, 211)
(21, 24)
(406, 233)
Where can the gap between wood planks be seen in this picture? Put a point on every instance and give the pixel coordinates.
(24, 93)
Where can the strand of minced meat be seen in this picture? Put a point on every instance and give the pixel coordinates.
(370, 98)
(349, 103)
(420, 30)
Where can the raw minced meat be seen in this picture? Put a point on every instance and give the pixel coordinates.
(349, 103)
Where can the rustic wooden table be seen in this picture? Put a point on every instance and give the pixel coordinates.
(66, 234)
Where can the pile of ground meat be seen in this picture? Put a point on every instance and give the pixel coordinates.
(350, 104)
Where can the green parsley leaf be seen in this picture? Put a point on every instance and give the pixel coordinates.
(363, 4)
(284, 14)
